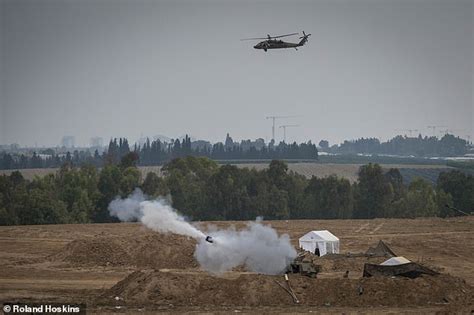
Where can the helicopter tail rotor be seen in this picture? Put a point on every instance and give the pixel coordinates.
(304, 38)
(305, 35)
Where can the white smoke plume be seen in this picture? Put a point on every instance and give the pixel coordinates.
(258, 247)
(157, 215)
(127, 209)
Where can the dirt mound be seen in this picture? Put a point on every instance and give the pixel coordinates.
(340, 262)
(165, 251)
(149, 250)
(93, 252)
(198, 288)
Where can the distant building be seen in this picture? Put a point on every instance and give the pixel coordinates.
(96, 142)
(229, 143)
(14, 147)
(201, 144)
(258, 144)
(68, 142)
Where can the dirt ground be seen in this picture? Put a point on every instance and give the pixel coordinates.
(125, 268)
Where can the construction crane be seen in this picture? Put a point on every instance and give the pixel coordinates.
(433, 127)
(273, 126)
(284, 130)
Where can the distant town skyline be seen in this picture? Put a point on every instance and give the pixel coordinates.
(130, 68)
(99, 142)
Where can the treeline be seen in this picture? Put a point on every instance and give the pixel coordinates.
(202, 190)
(9, 161)
(155, 152)
(158, 153)
(448, 145)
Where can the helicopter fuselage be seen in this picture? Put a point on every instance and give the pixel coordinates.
(275, 44)
(271, 42)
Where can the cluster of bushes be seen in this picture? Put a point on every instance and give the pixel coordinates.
(72, 195)
(202, 190)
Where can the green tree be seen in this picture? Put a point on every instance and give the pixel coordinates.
(130, 159)
(461, 188)
(324, 144)
(421, 199)
(228, 193)
(329, 198)
(154, 186)
(81, 208)
(110, 179)
(258, 190)
(78, 188)
(395, 178)
(444, 202)
(43, 205)
(130, 180)
(296, 185)
(13, 197)
(278, 204)
(5, 217)
(373, 192)
(186, 179)
(277, 173)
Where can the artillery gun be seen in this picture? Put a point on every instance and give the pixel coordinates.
(304, 266)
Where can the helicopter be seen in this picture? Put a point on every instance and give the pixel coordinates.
(272, 43)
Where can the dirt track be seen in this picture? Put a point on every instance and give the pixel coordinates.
(149, 271)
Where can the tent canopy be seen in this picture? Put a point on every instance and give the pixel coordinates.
(323, 235)
(409, 269)
(380, 250)
(324, 241)
(394, 261)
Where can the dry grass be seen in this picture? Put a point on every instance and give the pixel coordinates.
(348, 171)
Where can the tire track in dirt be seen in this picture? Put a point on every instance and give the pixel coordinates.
(362, 227)
(378, 227)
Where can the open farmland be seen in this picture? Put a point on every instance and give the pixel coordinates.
(125, 267)
(349, 171)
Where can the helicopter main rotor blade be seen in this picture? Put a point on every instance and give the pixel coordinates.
(256, 38)
(284, 35)
(270, 37)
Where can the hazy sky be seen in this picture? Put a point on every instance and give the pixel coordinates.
(125, 68)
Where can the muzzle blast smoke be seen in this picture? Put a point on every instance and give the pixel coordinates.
(258, 247)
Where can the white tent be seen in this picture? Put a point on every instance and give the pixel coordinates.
(325, 241)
